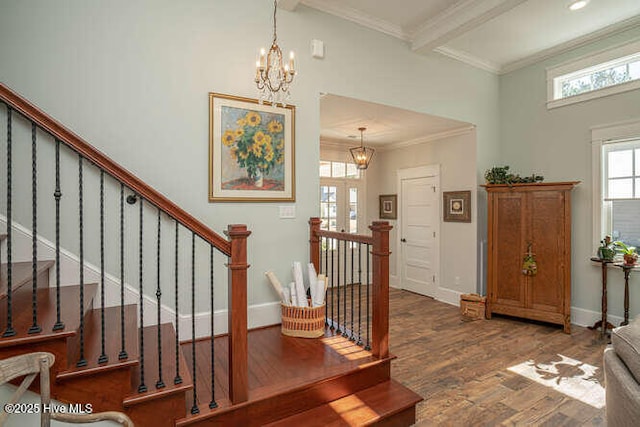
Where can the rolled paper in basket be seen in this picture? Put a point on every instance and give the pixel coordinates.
(287, 295)
(317, 295)
(276, 285)
(301, 295)
(294, 295)
(313, 280)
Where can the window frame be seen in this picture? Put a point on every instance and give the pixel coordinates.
(578, 66)
(600, 136)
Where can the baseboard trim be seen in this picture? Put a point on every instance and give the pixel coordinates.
(582, 317)
(449, 296)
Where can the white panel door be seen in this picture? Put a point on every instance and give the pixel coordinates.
(418, 242)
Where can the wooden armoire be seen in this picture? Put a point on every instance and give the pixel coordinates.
(535, 216)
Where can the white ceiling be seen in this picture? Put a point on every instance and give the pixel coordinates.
(340, 118)
(495, 35)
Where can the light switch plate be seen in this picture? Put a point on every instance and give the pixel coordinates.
(317, 49)
(287, 212)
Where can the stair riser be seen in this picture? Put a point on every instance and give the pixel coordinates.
(160, 412)
(289, 403)
(402, 419)
(104, 390)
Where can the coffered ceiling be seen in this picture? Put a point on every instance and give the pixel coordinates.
(495, 35)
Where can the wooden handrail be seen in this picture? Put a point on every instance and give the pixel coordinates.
(76, 143)
(358, 238)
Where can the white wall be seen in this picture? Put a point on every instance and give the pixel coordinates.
(557, 144)
(132, 77)
(457, 158)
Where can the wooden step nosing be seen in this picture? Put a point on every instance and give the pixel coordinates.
(153, 394)
(32, 339)
(95, 370)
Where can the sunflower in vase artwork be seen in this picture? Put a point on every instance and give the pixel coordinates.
(256, 144)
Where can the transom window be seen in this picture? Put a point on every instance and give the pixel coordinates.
(603, 73)
(600, 76)
(338, 170)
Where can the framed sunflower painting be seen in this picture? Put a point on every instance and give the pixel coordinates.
(251, 150)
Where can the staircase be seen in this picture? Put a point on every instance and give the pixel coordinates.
(152, 372)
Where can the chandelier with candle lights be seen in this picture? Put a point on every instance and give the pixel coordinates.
(273, 77)
(362, 155)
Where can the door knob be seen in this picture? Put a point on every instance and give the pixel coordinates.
(403, 240)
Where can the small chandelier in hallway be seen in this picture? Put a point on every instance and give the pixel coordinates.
(272, 76)
(362, 155)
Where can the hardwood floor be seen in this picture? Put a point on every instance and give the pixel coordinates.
(461, 368)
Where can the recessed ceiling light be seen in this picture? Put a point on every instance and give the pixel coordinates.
(578, 4)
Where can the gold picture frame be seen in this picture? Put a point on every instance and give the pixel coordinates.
(456, 206)
(251, 150)
(388, 206)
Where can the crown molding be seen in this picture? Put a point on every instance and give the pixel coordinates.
(289, 5)
(456, 20)
(337, 8)
(474, 61)
(572, 44)
(428, 138)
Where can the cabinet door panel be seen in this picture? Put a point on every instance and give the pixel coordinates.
(509, 284)
(547, 235)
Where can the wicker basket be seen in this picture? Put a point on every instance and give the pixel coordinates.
(304, 322)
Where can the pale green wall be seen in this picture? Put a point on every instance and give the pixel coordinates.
(456, 157)
(557, 144)
(132, 78)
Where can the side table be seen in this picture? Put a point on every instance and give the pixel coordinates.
(627, 271)
(603, 324)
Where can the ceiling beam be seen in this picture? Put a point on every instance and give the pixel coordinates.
(460, 18)
(289, 5)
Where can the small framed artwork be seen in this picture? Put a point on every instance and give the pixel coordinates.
(457, 206)
(251, 150)
(388, 206)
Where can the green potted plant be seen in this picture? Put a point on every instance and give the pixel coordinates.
(606, 251)
(628, 252)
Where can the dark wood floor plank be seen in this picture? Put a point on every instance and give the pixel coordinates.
(461, 368)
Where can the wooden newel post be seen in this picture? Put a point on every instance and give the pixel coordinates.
(314, 242)
(237, 267)
(380, 321)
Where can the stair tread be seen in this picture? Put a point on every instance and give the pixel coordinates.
(151, 365)
(92, 342)
(21, 274)
(362, 408)
(46, 300)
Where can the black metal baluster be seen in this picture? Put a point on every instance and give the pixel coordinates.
(160, 382)
(352, 337)
(333, 319)
(178, 378)
(123, 353)
(338, 330)
(368, 346)
(213, 403)
(81, 360)
(57, 194)
(9, 331)
(359, 294)
(142, 387)
(103, 355)
(194, 408)
(344, 299)
(35, 328)
(326, 273)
